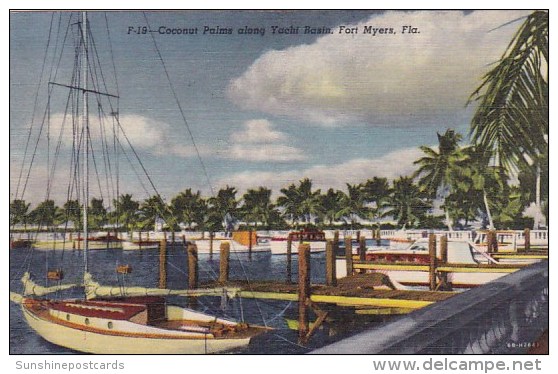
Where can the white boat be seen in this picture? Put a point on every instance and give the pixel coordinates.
(204, 246)
(137, 245)
(315, 238)
(121, 320)
(133, 325)
(410, 266)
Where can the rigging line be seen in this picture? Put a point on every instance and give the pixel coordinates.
(180, 107)
(95, 166)
(112, 55)
(36, 100)
(106, 160)
(187, 126)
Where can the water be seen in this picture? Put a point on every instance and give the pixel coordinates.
(145, 265)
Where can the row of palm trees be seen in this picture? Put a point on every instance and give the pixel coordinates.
(509, 141)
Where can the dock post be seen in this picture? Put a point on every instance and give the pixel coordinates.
(444, 260)
(527, 245)
(349, 255)
(211, 245)
(378, 237)
(250, 244)
(432, 265)
(139, 242)
(362, 251)
(224, 262)
(331, 278)
(289, 258)
(192, 266)
(358, 236)
(163, 264)
(303, 291)
(173, 238)
(492, 242)
(336, 241)
(362, 248)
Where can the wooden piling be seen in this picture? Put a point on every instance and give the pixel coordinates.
(358, 236)
(303, 291)
(139, 242)
(163, 264)
(224, 257)
(492, 242)
(336, 241)
(349, 255)
(211, 245)
(331, 278)
(362, 248)
(443, 261)
(192, 266)
(378, 237)
(527, 233)
(289, 258)
(184, 240)
(432, 265)
(250, 244)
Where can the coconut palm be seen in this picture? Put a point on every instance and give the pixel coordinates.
(19, 211)
(45, 214)
(223, 208)
(300, 203)
(437, 168)
(376, 191)
(97, 214)
(257, 206)
(150, 209)
(353, 204)
(71, 212)
(331, 203)
(188, 207)
(407, 203)
(126, 211)
(511, 120)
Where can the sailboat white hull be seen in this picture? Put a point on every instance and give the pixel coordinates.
(279, 247)
(137, 339)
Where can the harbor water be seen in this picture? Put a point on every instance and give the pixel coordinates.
(145, 265)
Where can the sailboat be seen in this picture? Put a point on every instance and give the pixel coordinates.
(122, 320)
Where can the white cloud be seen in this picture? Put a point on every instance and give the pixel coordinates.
(382, 79)
(391, 165)
(268, 152)
(259, 142)
(144, 133)
(258, 131)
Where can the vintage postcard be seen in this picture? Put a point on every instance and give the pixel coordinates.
(279, 182)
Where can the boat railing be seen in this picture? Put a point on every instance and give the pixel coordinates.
(505, 316)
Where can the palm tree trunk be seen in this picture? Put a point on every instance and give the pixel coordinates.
(448, 219)
(485, 198)
(537, 220)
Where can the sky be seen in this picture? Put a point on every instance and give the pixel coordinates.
(267, 98)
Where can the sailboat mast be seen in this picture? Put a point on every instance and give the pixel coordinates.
(85, 117)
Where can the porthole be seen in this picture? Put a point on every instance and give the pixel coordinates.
(109, 325)
(87, 321)
(67, 317)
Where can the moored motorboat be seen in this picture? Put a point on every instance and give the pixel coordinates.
(315, 238)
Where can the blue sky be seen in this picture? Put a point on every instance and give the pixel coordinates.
(267, 109)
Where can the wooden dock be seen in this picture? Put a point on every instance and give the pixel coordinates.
(363, 291)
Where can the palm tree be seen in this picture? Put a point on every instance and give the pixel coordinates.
(300, 203)
(353, 204)
(71, 212)
(376, 191)
(223, 208)
(407, 202)
(290, 202)
(44, 214)
(257, 206)
(19, 210)
(187, 206)
(152, 208)
(331, 203)
(97, 214)
(437, 168)
(511, 121)
(126, 211)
